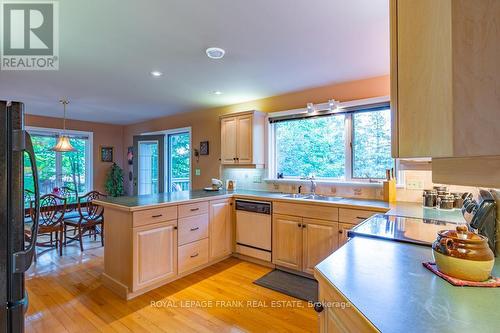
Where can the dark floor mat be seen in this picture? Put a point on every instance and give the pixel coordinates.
(290, 284)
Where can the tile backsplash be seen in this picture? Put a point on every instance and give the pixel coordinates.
(254, 179)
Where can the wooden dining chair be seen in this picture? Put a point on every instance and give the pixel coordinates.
(91, 217)
(52, 209)
(68, 193)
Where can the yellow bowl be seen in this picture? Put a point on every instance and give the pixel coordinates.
(469, 270)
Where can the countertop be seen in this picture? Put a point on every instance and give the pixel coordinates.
(386, 281)
(133, 203)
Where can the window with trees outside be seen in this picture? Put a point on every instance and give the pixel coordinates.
(65, 174)
(354, 145)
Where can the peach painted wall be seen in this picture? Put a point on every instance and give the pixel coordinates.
(104, 134)
(205, 125)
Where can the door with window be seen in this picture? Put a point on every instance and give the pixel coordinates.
(149, 166)
(163, 162)
(178, 169)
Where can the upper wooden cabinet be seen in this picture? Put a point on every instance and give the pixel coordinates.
(242, 138)
(445, 78)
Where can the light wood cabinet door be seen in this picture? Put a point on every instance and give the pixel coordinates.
(244, 140)
(320, 240)
(343, 229)
(228, 140)
(444, 78)
(220, 229)
(424, 99)
(155, 254)
(287, 241)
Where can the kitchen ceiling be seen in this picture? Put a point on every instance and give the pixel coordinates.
(109, 48)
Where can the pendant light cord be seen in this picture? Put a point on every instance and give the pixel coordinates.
(64, 119)
(64, 102)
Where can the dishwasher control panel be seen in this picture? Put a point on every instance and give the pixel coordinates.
(258, 207)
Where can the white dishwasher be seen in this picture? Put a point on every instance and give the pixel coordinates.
(253, 229)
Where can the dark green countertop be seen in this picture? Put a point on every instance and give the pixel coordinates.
(386, 281)
(409, 209)
(162, 198)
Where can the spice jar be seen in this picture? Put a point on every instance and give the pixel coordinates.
(429, 198)
(446, 201)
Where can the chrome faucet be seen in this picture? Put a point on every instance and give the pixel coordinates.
(313, 185)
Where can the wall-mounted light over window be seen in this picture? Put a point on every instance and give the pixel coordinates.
(310, 108)
(334, 105)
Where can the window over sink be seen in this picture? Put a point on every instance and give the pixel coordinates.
(348, 144)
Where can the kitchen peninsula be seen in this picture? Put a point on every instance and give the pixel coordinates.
(389, 290)
(155, 239)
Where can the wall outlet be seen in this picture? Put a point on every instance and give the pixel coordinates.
(197, 172)
(257, 179)
(414, 184)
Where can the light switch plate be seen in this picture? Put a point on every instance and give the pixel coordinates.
(197, 172)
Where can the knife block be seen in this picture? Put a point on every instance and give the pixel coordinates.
(389, 187)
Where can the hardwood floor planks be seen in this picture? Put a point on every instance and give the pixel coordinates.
(66, 295)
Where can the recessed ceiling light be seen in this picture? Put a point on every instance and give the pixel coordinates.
(156, 73)
(217, 92)
(215, 53)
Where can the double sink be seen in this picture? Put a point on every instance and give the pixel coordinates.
(312, 197)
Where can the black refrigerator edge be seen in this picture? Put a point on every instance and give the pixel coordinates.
(15, 255)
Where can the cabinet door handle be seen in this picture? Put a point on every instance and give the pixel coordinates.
(318, 307)
(175, 228)
(304, 225)
(155, 216)
(299, 225)
(194, 229)
(341, 231)
(361, 218)
(194, 255)
(194, 209)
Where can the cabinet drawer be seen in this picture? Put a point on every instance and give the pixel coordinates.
(193, 228)
(310, 211)
(193, 255)
(354, 216)
(154, 215)
(193, 209)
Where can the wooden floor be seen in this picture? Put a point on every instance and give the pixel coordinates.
(66, 295)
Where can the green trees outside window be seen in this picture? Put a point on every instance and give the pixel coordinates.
(57, 170)
(343, 146)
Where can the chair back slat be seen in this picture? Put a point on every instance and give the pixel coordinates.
(88, 210)
(52, 209)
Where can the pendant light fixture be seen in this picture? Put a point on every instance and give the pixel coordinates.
(63, 144)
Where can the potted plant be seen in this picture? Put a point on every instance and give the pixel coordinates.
(114, 181)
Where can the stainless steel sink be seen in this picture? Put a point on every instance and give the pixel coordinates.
(312, 197)
(295, 196)
(322, 197)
